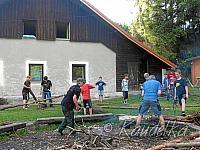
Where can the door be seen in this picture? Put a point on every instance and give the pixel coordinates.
(133, 72)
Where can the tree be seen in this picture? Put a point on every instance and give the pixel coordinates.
(164, 24)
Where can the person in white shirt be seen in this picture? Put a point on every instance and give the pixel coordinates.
(124, 86)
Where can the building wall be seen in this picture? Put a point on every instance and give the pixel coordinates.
(195, 70)
(57, 55)
(85, 26)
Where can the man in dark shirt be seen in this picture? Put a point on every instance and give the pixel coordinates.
(46, 87)
(26, 90)
(69, 103)
(100, 85)
(181, 91)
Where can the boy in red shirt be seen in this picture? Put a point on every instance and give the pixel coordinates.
(85, 91)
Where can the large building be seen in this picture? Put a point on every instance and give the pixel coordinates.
(66, 39)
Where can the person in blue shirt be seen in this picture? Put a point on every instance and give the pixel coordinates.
(100, 85)
(165, 83)
(150, 92)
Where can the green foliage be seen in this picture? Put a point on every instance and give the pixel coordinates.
(164, 24)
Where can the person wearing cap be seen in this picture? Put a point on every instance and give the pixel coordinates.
(69, 103)
(150, 92)
(46, 87)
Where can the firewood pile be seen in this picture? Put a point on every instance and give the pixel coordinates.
(194, 118)
(96, 138)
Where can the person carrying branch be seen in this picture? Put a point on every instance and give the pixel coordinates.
(69, 103)
(25, 92)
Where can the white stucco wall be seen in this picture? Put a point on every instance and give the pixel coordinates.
(57, 55)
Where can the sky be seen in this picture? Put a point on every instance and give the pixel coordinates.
(120, 11)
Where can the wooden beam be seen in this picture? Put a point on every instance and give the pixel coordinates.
(95, 117)
(12, 127)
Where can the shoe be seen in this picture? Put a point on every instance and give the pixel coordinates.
(183, 114)
(59, 131)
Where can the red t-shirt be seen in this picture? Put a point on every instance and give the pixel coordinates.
(85, 91)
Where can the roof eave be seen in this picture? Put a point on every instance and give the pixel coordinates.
(128, 36)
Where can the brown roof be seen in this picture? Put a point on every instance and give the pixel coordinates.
(128, 36)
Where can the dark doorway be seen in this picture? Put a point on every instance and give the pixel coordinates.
(133, 72)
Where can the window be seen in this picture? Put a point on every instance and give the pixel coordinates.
(78, 71)
(36, 71)
(29, 29)
(1, 73)
(63, 30)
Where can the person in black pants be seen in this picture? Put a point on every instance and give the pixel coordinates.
(69, 103)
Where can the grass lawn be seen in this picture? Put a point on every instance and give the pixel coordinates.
(31, 114)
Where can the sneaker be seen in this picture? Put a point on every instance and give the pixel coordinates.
(59, 131)
(183, 114)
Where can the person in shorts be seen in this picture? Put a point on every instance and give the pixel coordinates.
(150, 92)
(85, 91)
(25, 92)
(181, 91)
(100, 85)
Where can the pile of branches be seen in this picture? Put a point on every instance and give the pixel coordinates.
(194, 118)
(191, 141)
(90, 139)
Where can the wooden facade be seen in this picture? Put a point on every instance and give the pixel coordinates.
(85, 26)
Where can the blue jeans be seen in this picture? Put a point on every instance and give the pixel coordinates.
(167, 93)
(47, 95)
(172, 92)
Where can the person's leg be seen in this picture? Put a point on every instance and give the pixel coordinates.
(49, 98)
(167, 94)
(138, 121)
(183, 102)
(67, 121)
(25, 96)
(125, 97)
(156, 108)
(85, 107)
(90, 106)
(144, 107)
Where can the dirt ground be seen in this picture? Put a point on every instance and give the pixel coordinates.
(105, 136)
(52, 140)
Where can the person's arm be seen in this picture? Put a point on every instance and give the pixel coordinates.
(187, 91)
(75, 100)
(142, 94)
(174, 92)
(159, 92)
(50, 88)
(27, 87)
(91, 86)
(159, 89)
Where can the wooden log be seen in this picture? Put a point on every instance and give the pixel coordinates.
(19, 105)
(176, 141)
(12, 127)
(94, 117)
